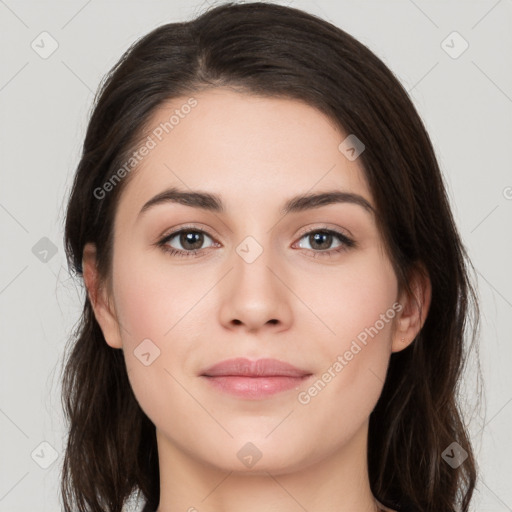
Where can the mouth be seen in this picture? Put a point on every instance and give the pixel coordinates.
(254, 380)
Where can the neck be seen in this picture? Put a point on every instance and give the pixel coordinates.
(337, 482)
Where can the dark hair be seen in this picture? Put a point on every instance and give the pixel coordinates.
(275, 51)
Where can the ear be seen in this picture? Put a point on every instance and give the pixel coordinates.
(415, 307)
(99, 297)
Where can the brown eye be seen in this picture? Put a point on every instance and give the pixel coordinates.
(191, 239)
(184, 242)
(322, 240)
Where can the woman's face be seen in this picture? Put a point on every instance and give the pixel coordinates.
(262, 283)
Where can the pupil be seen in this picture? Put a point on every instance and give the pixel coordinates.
(188, 238)
(317, 238)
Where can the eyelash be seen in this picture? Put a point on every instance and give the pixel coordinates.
(346, 242)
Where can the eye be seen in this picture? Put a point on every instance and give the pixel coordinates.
(320, 242)
(190, 240)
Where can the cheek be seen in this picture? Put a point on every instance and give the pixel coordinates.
(151, 301)
(356, 359)
(153, 315)
(368, 309)
(353, 298)
(358, 307)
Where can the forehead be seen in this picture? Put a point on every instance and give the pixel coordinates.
(247, 148)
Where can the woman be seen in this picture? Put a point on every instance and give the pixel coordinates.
(276, 289)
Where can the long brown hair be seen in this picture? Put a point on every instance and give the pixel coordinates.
(277, 51)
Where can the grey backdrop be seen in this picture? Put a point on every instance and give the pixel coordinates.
(454, 58)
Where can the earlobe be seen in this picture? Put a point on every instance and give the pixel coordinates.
(416, 304)
(98, 296)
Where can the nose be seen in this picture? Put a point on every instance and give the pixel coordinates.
(254, 295)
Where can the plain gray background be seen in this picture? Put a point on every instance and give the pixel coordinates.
(464, 98)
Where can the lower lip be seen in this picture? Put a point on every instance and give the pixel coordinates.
(254, 388)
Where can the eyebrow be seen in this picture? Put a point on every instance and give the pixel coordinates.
(213, 202)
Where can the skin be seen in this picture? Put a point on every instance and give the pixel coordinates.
(255, 153)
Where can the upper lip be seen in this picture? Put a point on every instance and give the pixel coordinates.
(259, 368)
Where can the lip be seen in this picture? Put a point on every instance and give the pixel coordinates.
(254, 379)
(242, 366)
